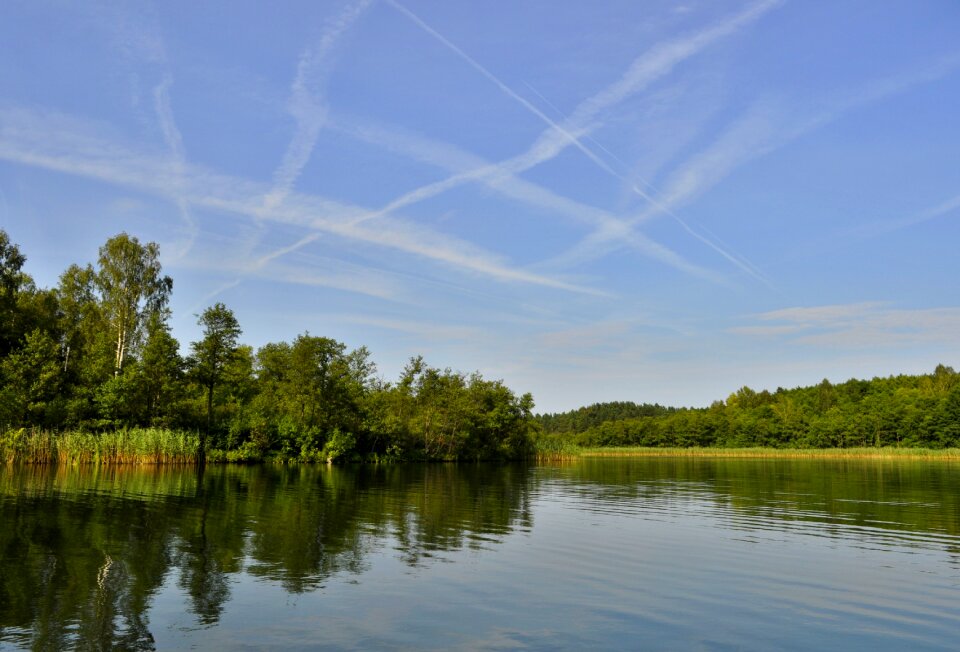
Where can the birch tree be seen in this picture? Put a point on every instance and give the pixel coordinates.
(131, 288)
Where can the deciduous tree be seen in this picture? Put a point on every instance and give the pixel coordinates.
(211, 355)
(131, 288)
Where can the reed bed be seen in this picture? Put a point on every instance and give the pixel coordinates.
(128, 446)
(164, 446)
(886, 452)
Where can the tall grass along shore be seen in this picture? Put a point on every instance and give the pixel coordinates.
(165, 446)
(127, 446)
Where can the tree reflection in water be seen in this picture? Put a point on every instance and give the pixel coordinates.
(85, 550)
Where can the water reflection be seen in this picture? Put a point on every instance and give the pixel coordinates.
(879, 502)
(85, 551)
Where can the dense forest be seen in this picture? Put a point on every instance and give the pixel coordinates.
(96, 355)
(902, 411)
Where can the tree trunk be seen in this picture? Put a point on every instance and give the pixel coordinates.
(117, 359)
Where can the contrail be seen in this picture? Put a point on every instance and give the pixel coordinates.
(35, 138)
(305, 240)
(455, 161)
(645, 69)
(571, 138)
(307, 109)
(763, 130)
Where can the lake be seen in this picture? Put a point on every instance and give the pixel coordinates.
(614, 553)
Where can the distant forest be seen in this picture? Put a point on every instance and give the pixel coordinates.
(96, 354)
(908, 411)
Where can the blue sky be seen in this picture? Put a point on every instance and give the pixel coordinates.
(648, 201)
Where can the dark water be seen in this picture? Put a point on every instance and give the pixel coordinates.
(613, 554)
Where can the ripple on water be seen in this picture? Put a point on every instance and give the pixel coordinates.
(612, 554)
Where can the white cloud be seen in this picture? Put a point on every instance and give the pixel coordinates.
(307, 270)
(823, 315)
(766, 331)
(55, 142)
(653, 65)
(867, 325)
(948, 207)
(421, 329)
(133, 30)
(568, 136)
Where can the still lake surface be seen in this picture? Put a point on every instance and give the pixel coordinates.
(628, 553)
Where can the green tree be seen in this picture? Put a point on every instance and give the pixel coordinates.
(211, 355)
(31, 380)
(237, 389)
(947, 418)
(131, 288)
(441, 414)
(311, 390)
(79, 311)
(11, 280)
(117, 401)
(85, 342)
(160, 372)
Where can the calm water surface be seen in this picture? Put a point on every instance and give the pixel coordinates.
(667, 553)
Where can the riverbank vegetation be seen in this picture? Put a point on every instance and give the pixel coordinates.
(572, 452)
(122, 446)
(90, 372)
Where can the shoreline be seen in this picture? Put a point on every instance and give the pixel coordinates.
(160, 446)
(883, 453)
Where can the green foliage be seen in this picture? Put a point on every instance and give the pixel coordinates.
(11, 282)
(582, 419)
(901, 411)
(131, 288)
(159, 376)
(308, 390)
(246, 453)
(126, 445)
(96, 357)
(211, 355)
(31, 381)
(441, 414)
(339, 445)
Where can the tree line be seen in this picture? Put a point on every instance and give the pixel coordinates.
(901, 411)
(592, 416)
(96, 353)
